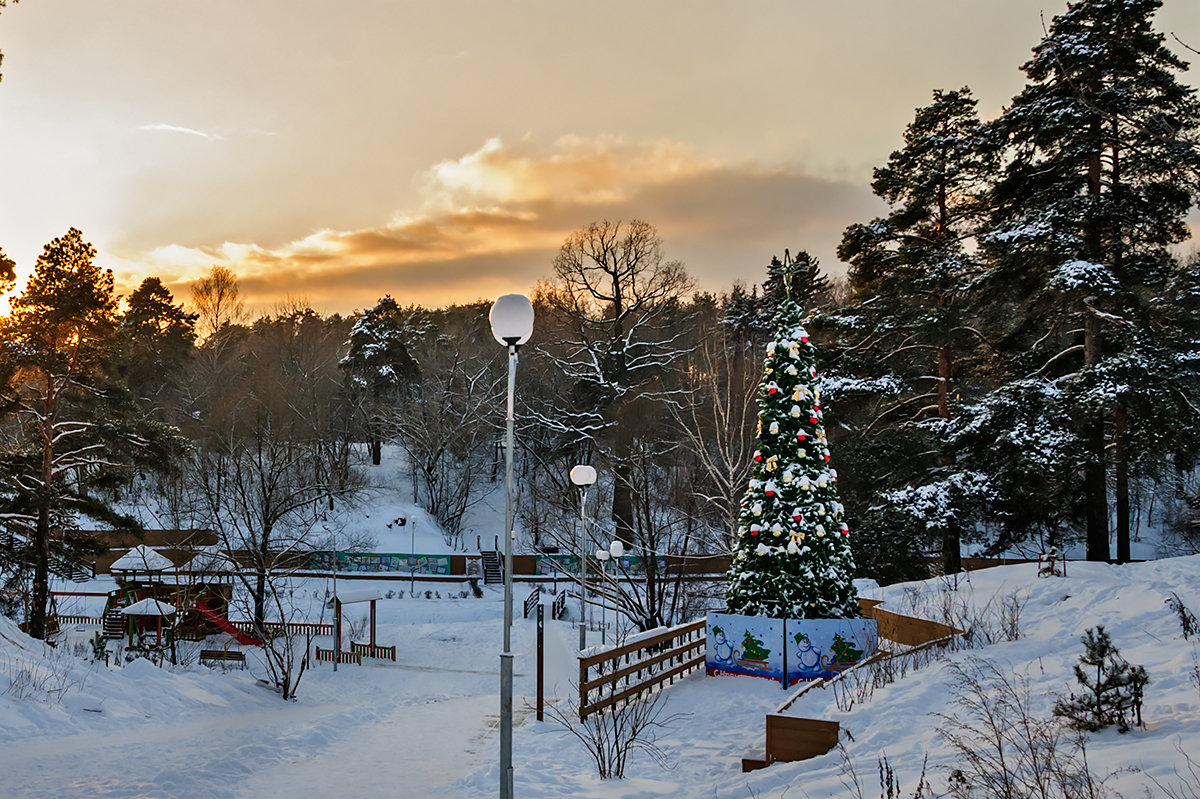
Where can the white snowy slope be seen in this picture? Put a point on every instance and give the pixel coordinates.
(426, 725)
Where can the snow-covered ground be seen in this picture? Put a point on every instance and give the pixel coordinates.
(426, 725)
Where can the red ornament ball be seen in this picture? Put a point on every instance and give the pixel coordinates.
(757, 457)
(801, 436)
(804, 339)
(812, 419)
(772, 391)
(826, 458)
(769, 493)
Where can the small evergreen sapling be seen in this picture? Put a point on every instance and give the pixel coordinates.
(1113, 688)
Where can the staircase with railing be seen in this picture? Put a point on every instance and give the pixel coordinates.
(493, 568)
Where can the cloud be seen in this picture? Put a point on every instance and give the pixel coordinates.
(491, 221)
(163, 127)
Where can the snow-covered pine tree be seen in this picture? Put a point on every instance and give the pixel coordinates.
(377, 364)
(1097, 186)
(911, 272)
(792, 549)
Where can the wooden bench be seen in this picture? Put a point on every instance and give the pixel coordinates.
(222, 656)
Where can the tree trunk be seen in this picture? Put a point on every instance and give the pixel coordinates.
(951, 534)
(40, 600)
(622, 502)
(1121, 462)
(41, 575)
(1095, 484)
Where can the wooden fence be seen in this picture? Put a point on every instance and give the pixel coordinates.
(531, 601)
(906, 630)
(622, 672)
(791, 738)
(372, 651)
(65, 619)
(291, 628)
(344, 656)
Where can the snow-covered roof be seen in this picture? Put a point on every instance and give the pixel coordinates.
(143, 559)
(209, 560)
(358, 595)
(149, 607)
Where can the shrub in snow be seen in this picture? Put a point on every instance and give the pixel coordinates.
(1187, 620)
(1112, 688)
(1002, 750)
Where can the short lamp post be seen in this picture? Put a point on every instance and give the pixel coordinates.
(511, 318)
(615, 550)
(584, 477)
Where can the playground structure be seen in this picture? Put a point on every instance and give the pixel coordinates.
(200, 599)
(357, 651)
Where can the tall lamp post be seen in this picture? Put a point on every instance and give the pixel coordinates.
(583, 476)
(615, 550)
(511, 318)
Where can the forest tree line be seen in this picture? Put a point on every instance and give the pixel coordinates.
(1012, 361)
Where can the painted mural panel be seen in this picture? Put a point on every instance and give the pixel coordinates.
(820, 648)
(750, 645)
(380, 562)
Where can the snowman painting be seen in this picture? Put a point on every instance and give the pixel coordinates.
(807, 657)
(723, 650)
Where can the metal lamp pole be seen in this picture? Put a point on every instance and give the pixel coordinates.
(583, 476)
(512, 323)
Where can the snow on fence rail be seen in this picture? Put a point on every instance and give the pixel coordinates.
(639, 665)
(291, 628)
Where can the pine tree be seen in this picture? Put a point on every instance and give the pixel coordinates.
(912, 272)
(1112, 687)
(1097, 187)
(378, 364)
(792, 550)
(160, 337)
(59, 342)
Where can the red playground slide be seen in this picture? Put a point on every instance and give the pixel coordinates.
(224, 624)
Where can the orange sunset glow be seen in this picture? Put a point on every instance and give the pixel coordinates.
(441, 151)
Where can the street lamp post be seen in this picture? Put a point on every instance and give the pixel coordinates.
(511, 318)
(583, 476)
(615, 550)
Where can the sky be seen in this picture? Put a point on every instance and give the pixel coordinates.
(441, 150)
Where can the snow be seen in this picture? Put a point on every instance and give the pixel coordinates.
(142, 558)
(149, 607)
(427, 725)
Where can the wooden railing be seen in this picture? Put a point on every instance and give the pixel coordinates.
(791, 738)
(291, 628)
(906, 630)
(344, 656)
(371, 651)
(531, 601)
(637, 666)
(66, 619)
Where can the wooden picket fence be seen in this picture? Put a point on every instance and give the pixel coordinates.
(291, 628)
(371, 651)
(66, 619)
(622, 672)
(346, 656)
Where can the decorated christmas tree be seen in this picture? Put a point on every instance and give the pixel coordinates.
(792, 556)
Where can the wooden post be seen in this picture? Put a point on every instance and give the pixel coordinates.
(541, 637)
(372, 625)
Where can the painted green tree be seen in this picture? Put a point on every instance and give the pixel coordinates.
(792, 554)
